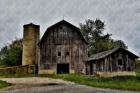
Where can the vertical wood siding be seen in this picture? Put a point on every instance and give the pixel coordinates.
(110, 63)
(66, 40)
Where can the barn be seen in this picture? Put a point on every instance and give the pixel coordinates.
(63, 49)
(117, 61)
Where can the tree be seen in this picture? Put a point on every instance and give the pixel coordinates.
(92, 29)
(120, 43)
(11, 55)
(98, 42)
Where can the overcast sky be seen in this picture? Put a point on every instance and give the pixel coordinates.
(122, 17)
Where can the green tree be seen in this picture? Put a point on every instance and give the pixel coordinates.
(11, 55)
(98, 42)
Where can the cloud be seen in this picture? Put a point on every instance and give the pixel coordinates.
(122, 17)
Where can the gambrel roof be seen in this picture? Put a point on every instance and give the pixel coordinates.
(63, 22)
(104, 54)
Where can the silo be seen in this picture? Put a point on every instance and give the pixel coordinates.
(30, 44)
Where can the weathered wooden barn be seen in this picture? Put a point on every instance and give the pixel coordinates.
(63, 49)
(117, 61)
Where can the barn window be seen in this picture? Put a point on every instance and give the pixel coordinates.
(120, 62)
(67, 53)
(59, 53)
(61, 27)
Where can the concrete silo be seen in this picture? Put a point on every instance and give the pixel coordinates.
(30, 44)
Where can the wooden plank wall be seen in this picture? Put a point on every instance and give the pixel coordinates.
(63, 39)
(110, 63)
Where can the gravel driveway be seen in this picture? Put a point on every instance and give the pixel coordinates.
(47, 85)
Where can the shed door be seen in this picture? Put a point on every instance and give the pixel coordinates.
(62, 68)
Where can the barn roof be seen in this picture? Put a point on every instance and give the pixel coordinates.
(67, 23)
(104, 54)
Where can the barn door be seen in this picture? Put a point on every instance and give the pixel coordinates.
(62, 68)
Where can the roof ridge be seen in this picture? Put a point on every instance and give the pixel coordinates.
(73, 26)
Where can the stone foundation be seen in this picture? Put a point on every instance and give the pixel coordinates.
(51, 71)
(111, 74)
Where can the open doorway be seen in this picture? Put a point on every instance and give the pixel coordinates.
(62, 68)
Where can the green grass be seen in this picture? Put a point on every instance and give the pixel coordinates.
(4, 84)
(118, 82)
(137, 72)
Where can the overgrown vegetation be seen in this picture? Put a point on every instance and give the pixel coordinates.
(118, 82)
(137, 70)
(98, 41)
(11, 54)
(4, 84)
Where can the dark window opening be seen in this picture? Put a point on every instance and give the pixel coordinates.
(67, 53)
(59, 53)
(120, 62)
(62, 68)
(61, 27)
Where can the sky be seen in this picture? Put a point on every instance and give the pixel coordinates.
(121, 17)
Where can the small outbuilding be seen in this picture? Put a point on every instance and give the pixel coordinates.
(117, 61)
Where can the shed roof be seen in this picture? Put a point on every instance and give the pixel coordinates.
(104, 54)
(67, 23)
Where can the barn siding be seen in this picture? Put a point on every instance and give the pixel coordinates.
(63, 39)
(110, 63)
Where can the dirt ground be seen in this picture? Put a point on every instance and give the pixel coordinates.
(48, 85)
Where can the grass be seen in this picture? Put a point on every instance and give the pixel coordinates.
(4, 84)
(137, 72)
(118, 82)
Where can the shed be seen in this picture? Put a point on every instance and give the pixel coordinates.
(117, 61)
